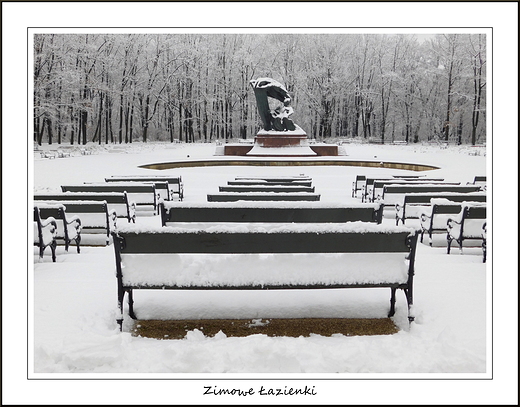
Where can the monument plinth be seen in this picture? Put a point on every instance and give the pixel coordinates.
(281, 143)
(280, 137)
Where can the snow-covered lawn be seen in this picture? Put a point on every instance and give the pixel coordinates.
(74, 299)
(72, 303)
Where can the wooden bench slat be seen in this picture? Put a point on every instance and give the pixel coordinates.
(190, 241)
(173, 214)
(277, 196)
(262, 182)
(265, 188)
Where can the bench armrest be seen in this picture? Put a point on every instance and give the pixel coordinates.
(49, 230)
(112, 217)
(131, 210)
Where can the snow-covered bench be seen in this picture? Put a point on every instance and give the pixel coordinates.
(394, 194)
(376, 190)
(48, 154)
(367, 186)
(95, 217)
(479, 180)
(262, 196)
(175, 184)
(358, 184)
(175, 214)
(469, 224)
(266, 188)
(304, 183)
(45, 231)
(68, 226)
(269, 178)
(309, 256)
(64, 152)
(116, 201)
(414, 205)
(143, 194)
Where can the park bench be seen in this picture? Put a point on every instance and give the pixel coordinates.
(143, 194)
(116, 201)
(360, 181)
(48, 154)
(375, 191)
(479, 180)
(86, 150)
(414, 204)
(435, 218)
(63, 152)
(96, 218)
(367, 184)
(45, 231)
(358, 184)
(68, 225)
(266, 188)
(175, 184)
(173, 214)
(262, 196)
(279, 178)
(270, 183)
(394, 194)
(469, 224)
(326, 256)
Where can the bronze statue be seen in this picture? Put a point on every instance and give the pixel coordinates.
(278, 118)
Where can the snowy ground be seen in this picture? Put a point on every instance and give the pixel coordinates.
(72, 303)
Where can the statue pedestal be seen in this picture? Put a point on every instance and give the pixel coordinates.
(281, 143)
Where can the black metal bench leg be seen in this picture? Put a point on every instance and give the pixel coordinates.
(53, 251)
(120, 298)
(484, 250)
(131, 304)
(408, 295)
(392, 302)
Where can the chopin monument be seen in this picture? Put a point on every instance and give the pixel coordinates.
(280, 136)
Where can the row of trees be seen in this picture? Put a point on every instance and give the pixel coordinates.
(119, 88)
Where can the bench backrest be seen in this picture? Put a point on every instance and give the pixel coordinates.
(368, 186)
(265, 188)
(175, 214)
(109, 197)
(270, 183)
(144, 178)
(472, 221)
(141, 193)
(174, 184)
(376, 192)
(170, 240)
(275, 178)
(117, 201)
(426, 198)
(393, 194)
(92, 214)
(265, 196)
(479, 178)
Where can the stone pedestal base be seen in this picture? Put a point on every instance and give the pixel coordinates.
(281, 143)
